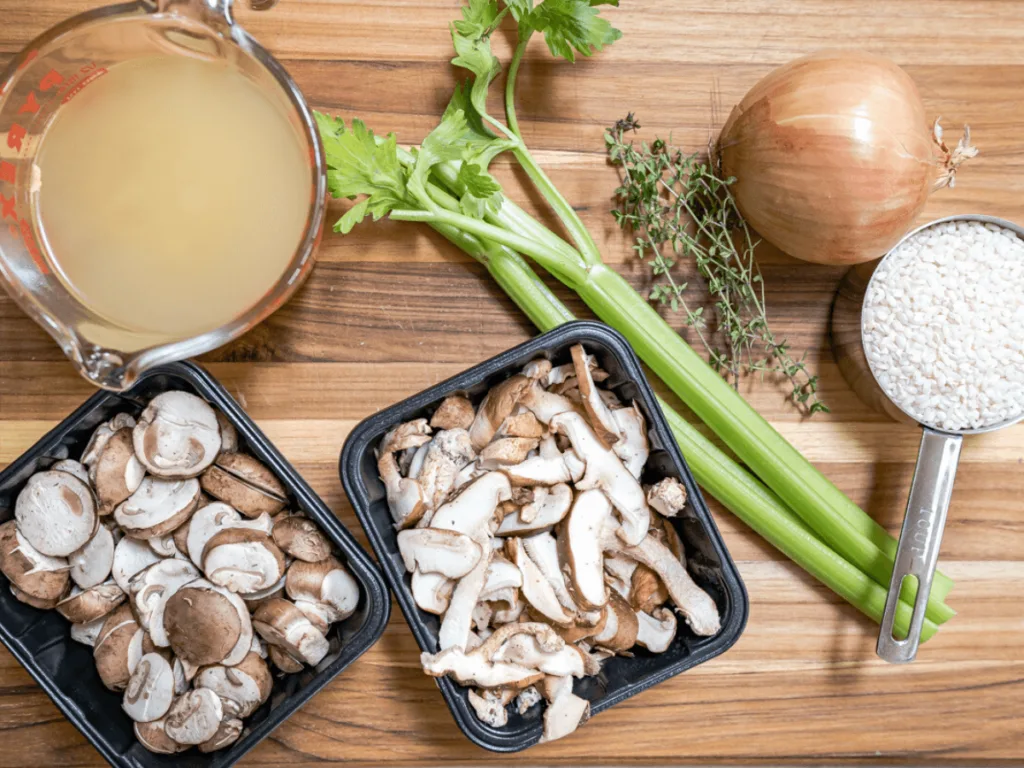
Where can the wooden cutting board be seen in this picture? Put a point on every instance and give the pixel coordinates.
(392, 309)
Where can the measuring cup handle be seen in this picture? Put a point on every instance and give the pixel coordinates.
(918, 549)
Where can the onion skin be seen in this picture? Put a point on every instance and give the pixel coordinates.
(833, 157)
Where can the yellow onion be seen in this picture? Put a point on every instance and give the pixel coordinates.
(834, 156)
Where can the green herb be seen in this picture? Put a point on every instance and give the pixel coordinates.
(678, 206)
(430, 186)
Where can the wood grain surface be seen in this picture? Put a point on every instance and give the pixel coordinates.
(392, 309)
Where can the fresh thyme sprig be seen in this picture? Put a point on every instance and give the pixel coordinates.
(678, 206)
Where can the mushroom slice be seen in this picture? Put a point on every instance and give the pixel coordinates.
(565, 711)
(527, 699)
(667, 496)
(117, 472)
(281, 624)
(157, 507)
(228, 434)
(619, 567)
(154, 738)
(474, 669)
(319, 615)
(536, 589)
(604, 470)
(506, 451)
(433, 550)
(646, 592)
(538, 369)
(35, 575)
(283, 660)
(632, 447)
(416, 458)
(468, 474)
(454, 412)
(81, 607)
(502, 578)
(327, 583)
(411, 434)
(497, 405)
(522, 423)
(131, 556)
(110, 651)
(448, 452)
(581, 548)
(228, 732)
(489, 707)
(164, 546)
(527, 651)
(301, 538)
(656, 631)
(177, 435)
(242, 688)
(620, 625)
(247, 485)
(254, 600)
(545, 405)
(72, 467)
(55, 513)
(543, 550)
(207, 624)
(103, 433)
(91, 564)
(183, 675)
(205, 524)
(601, 419)
(406, 499)
(87, 633)
(432, 592)
(152, 588)
(480, 618)
(194, 717)
(242, 560)
(693, 602)
(549, 467)
(458, 619)
(474, 506)
(150, 689)
(548, 508)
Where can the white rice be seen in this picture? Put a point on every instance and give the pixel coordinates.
(943, 325)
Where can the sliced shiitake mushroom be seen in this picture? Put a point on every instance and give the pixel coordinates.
(194, 717)
(283, 625)
(247, 485)
(157, 507)
(435, 550)
(448, 452)
(301, 538)
(117, 473)
(91, 564)
(83, 606)
(150, 689)
(55, 513)
(620, 625)
(207, 624)
(656, 631)
(35, 575)
(242, 688)
(243, 560)
(177, 435)
(497, 405)
(110, 651)
(454, 412)
(581, 549)
(667, 496)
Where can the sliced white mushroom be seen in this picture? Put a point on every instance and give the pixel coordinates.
(283, 625)
(153, 587)
(207, 624)
(667, 496)
(56, 513)
(489, 707)
(246, 484)
(194, 717)
(117, 473)
(454, 412)
(150, 689)
(157, 507)
(243, 560)
(177, 435)
(35, 575)
(458, 618)
(327, 583)
(605, 471)
(110, 651)
(549, 506)
(632, 447)
(656, 632)
(154, 738)
(72, 467)
(91, 564)
(448, 452)
(604, 424)
(565, 711)
(87, 633)
(474, 506)
(301, 538)
(582, 550)
(242, 688)
(536, 589)
(432, 592)
(131, 556)
(81, 607)
(435, 550)
(497, 404)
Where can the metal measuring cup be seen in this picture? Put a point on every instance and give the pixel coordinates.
(937, 459)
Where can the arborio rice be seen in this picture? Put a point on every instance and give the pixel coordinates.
(943, 325)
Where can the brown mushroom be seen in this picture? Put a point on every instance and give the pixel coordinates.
(448, 452)
(177, 435)
(242, 688)
(497, 405)
(228, 732)
(301, 538)
(454, 412)
(157, 507)
(247, 485)
(207, 624)
(194, 717)
(284, 661)
(283, 625)
(81, 607)
(110, 650)
(91, 564)
(154, 738)
(581, 549)
(56, 513)
(152, 588)
(620, 625)
(242, 560)
(150, 689)
(117, 473)
(42, 579)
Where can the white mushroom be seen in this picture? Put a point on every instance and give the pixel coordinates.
(497, 405)
(91, 564)
(581, 548)
(327, 583)
(207, 624)
(434, 550)
(448, 452)
(157, 507)
(244, 483)
(154, 738)
(565, 711)
(632, 446)
(667, 496)
(454, 412)
(604, 470)
(177, 435)
(242, 688)
(536, 589)
(41, 578)
(299, 537)
(117, 473)
(55, 513)
(243, 560)
(72, 467)
(194, 717)
(153, 587)
(656, 632)
(283, 625)
(131, 556)
(150, 689)
(432, 592)
(81, 607)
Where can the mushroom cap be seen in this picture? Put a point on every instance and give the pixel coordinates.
(204, 524)
(91, 564)
(454, 412)
(581, 548)
(243, 560)
(600, 417)
(35, 575)
(131, 556)
(154, 738)
(435, 550)
(180, 534)
(246, 685)
(282, 624)
(81, 607)
(319, 615)
(55, 513)
(110, 651)
(195, 717)
(228, 731)
(177, 435)
(247, 485)
(301, 538)
(72, 467)
(117, 473)
(35, 602)
(207, 624)
(153, 587)
(157, 507)
(150, 689)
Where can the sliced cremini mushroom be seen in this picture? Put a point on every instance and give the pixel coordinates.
(91, 564)
(150, 689)
(87, 633)
(37, 576)
(667, 496)
(153, 587)
(604, 470)
(582, 550)
(183, 675)
(157, 507)
(620, 625)
(228, 434)
(458, 618)
(228, 732)
(177, 435)
(283, 625)
(110, 651)
(131, 556)
(432, 592)
(448, 452)
(117, 473)
(154, 738)
(327, 583)
(489, 706)
(243, 560)
(254, 600)
(604, 424)
(72, 467)
(632, 447)
(35, 602)
(284, 661)
(213, 518)
(165, 546)
(96, 602)
(207, 624)
(656, 631)
(242, 688)
(506, 451)
(454, 412)
(474, 506)
(194, 717)
(565, 711)
(434, 550)
(56, 513)
(247, 485)
(536, 589)
(103, 433)
(180, 534)
(497, 405)
(549, 507)
(319, 615)
(301, 538)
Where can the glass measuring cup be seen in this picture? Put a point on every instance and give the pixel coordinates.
(938, 457)
(54, 68)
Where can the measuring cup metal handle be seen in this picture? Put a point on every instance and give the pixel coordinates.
(918, 550)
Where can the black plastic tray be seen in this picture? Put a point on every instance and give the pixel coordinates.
(41, 640)
(707, 559)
